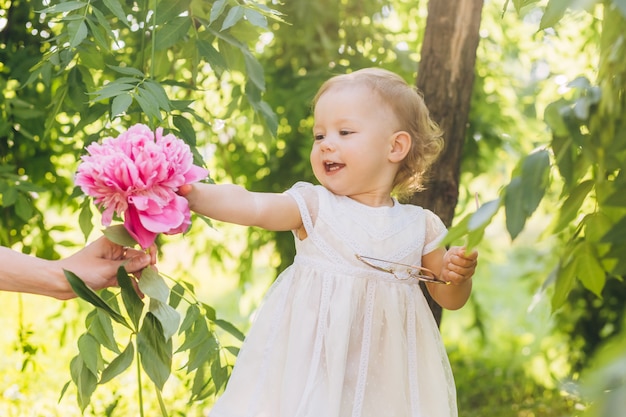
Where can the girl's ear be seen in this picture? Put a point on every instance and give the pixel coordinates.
(400, 146)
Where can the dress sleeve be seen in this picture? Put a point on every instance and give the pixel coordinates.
(307, 199)
(435, 232)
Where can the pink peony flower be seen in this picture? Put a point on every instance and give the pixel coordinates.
(136, 175)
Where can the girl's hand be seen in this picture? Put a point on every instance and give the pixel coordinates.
(458, 267)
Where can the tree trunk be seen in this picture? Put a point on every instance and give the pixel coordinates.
(446, 78)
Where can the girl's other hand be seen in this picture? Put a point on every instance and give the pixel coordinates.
(458, 266)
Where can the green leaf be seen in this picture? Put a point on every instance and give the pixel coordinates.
(196, 335)
(172, 32)
(169, 318)
(211, 55)
(555, 10)
(153, 285)
(119, 364)
(132, 302)
(568, 211)
(256, 18)
(219, 374)
(192, 313)
(168, 10)
(99, 326)
(120, 104)
(77, 31)
(187, 132)
(217, 9)
(617, 234)
(115, 6)
(23, 208)
(254, 70)
(513, 208)
(202, 353)
(484, 214)
(148, 106)
(535, 169)
(234, 15)
(158, 93)
(176, 295)
(84, 380)
(456, 232)
(112, 89)
(230, 328)
(155, 351)
(118, 234)
(89, 349)
(588, 268)
(85, 218)
(133, 72)
(67, 6)
(87, 294)
(565, 278)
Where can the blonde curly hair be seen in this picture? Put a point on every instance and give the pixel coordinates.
(408, 105)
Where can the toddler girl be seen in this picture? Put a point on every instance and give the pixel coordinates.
(346, 330)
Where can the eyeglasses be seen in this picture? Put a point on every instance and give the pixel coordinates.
(402, 271)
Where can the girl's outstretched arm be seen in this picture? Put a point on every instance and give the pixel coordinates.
(234, 204)
(455, 266)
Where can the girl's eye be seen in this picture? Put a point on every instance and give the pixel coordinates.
(318, 137)
(344, 132)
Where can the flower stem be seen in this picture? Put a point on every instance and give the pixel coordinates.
(140, 393)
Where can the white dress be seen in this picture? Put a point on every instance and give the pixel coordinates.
(337, 338)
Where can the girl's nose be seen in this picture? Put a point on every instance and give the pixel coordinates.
(327, 145)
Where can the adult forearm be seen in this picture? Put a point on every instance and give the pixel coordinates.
(29, 274)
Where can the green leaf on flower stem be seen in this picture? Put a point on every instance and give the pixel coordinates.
(203, 386)
(196, 333)
(119, 364)
(230, 328)
(132, 301)
(193, 312)
(153, 285)
(154, 350)
(89, 349)
(176, 294)
(219, 373)
(99, 326)
(87, 294)
(204, 346)
(84, 218)
(169, 318)
(84, 380)
(118, 234)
